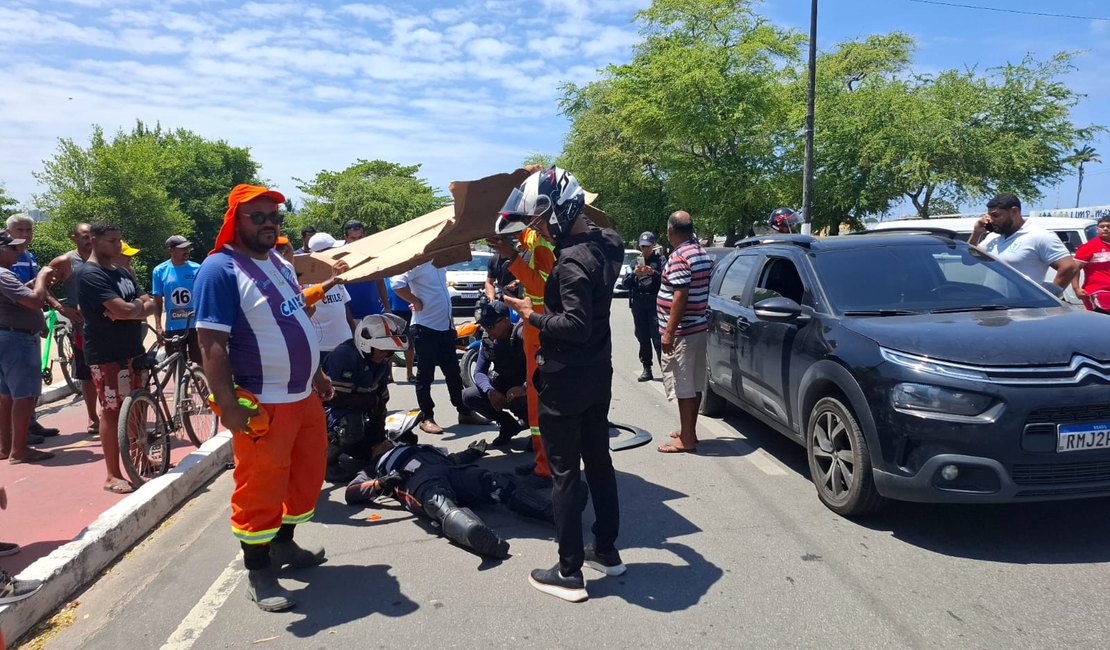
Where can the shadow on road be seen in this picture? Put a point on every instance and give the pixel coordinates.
(648, 522)
(327, 601)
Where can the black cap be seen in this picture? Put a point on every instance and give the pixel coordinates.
(177, 241)
(6, 239)
(353, 223)
(492, 312)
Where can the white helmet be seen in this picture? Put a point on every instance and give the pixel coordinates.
(381, 332)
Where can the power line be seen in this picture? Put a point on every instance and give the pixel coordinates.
(1009, 11)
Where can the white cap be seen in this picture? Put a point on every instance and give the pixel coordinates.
(322, 241)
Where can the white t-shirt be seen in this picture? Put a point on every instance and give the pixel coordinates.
(330, 319)
(429, 284)
(1030, 250)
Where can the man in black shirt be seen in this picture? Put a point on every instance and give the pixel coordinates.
(576, 374)
(499, 278)
(643, 288)
(499, 392)
(114, 306)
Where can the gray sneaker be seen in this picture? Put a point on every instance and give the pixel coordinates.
(608, 563)
(12, 590)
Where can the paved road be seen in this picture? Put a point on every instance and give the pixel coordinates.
(728, 548)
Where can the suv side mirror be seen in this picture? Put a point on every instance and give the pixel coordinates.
(779, 310)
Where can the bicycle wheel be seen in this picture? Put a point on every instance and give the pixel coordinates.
(144, 439)
(197, 416)
(63, 347)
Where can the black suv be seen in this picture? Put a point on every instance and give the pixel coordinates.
(912, 367)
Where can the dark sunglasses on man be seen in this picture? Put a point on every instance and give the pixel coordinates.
(259, 218)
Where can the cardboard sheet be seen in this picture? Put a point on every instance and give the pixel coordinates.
(443, 236)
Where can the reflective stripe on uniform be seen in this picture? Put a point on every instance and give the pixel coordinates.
(298, 519)
(254, 537)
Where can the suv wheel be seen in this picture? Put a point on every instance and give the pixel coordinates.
(712, 404)
(839, 462)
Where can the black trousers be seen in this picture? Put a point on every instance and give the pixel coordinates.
(647, 332)
(435, 348)
(465, 485)
(574, 423)
(474, 400)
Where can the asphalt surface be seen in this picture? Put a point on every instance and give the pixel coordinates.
(726, 548)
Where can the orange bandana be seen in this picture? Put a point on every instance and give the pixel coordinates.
(240, 194)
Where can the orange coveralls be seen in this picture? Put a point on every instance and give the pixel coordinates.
(532, 270)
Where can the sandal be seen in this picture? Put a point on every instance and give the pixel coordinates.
(119, 487)
(671, 449)
(93, 429)
(32, 456)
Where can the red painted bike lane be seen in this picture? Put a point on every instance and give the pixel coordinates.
(50, 503)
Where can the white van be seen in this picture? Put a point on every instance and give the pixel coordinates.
(1073, 232)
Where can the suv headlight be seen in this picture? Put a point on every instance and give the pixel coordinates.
(907, 397)
(932, 366)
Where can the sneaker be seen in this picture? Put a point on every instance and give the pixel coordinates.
(33, 439)
(608, 563)
(12, 590)
(46, 432)
(8, 548)
(470, 417)
(551, 581)
(645, 375)
(430, 427)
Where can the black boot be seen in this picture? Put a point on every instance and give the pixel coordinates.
(645, 375)
(264, 590)
(283, 550)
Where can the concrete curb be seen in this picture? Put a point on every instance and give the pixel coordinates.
(69, 568)
(56, 393)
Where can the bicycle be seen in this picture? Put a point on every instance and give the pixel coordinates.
(146, 420)
(64, 347)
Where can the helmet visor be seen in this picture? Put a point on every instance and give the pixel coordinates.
(519, 206)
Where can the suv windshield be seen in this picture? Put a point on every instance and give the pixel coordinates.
(476, 263)
(921, 277)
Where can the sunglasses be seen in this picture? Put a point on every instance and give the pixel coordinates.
(259, 218)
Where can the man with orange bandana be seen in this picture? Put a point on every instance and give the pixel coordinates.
(259, 346)
(530, 264)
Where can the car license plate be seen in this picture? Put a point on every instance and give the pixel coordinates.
(469, 295)
(1080, 437)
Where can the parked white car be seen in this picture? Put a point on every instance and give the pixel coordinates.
(467, 280)
(630, 257)
(1073, 232)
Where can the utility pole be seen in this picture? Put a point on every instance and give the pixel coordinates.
(807, 169)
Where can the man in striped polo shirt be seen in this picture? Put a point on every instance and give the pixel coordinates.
(681, 306)
(256, 337)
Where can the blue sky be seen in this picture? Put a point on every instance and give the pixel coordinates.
(464, 88)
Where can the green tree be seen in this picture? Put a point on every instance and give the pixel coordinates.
(699, 115)
(153, 183)
(963, 135)
(8, 205)
(1079, 158)
(378, 193)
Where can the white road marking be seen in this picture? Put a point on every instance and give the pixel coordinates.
(763, 461)
(198, 618)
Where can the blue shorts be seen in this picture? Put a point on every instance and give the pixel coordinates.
(20, 365)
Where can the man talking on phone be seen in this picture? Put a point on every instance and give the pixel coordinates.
(1004, 233)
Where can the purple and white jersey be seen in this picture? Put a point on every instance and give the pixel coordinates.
(272, 345)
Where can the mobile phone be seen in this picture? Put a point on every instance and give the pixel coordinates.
(989, 227)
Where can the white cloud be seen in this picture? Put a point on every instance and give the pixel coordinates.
(368, 12)
(488, 48)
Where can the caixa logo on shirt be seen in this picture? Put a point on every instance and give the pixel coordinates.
(293, 305)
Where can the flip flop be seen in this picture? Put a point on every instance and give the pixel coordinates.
(33, 456)
(671, 449)
(119, 487)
